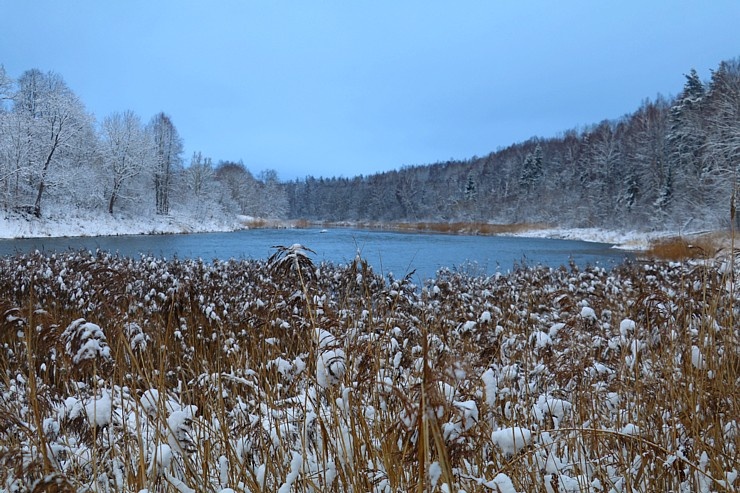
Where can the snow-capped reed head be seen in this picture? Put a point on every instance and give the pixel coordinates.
(155, 403)
(331, 363)
(99, 410)
(86, 345)
(293, 259)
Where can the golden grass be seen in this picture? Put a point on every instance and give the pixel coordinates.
(215, 336)
(679, 248)
(456, 227)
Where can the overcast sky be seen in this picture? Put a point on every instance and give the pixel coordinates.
(341, 88)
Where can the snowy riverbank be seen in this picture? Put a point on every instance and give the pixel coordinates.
(110, 225)
(625, 240)
(107, 225)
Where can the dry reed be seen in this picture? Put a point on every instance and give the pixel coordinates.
(205, 377)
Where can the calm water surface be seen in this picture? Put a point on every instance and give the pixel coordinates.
(387, 252)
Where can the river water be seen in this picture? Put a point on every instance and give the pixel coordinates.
(387, 252)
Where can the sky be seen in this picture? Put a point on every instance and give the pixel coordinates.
(356, 87)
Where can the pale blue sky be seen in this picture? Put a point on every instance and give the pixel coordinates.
(340, 88)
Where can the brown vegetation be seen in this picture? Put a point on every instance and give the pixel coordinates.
(625, 379)
(696, 246)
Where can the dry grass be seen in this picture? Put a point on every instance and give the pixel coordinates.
(385, 401)
(698, 246)
(457, 227)
(475, 228)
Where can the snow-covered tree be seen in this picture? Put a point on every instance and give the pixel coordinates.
(471, 189)
(54, 124)
(722, 146)
(665, 197)
(13, 144)
(272, 196)
(531, 170)
(126, 149)
(6, 88)
(199, 187)
(167, 147)
(237, 186)
(686, 134)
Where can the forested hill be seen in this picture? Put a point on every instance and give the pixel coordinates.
(673, 163)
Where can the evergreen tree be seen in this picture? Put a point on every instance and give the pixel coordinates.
(531, 170)
(686, 132)
(471, 191)
(665, 197)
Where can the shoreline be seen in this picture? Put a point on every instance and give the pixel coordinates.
(105, 225)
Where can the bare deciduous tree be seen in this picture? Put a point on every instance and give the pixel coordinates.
(167, 147)
(54, 122)
(126, 149)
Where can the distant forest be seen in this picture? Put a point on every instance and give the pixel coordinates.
(671, 164)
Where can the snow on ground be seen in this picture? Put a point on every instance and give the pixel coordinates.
(102, 224)
(60, 225)
(626, 240)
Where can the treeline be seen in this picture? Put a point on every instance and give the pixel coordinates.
(673, 163)
(55, 157)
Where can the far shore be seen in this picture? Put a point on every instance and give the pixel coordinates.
(632, 240)
(106, 225)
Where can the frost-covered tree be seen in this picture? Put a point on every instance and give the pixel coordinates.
(166, 160)
(54, 124)
(199, 190)
(126, 151)
(665, 197)
(646, 152)
(237, 186)
(273, 198)
(199, 175)
(13, 144)
(722, 146)
(6, 88)
(686, 144)
(531, 170)
(686, 134)
(630, 193)
(471, 189)
(723, 102)
(407, 190)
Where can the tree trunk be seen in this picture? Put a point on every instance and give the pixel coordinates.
(42, 184)
(112, 201)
